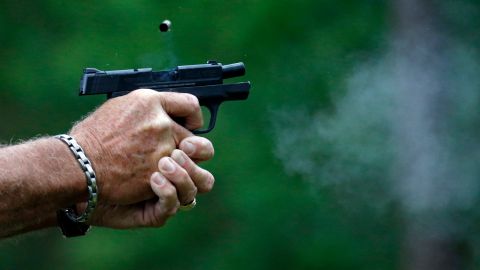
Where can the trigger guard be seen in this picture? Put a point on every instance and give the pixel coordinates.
(213, 108)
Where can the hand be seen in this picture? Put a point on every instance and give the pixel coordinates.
(131, 137)
(127, 136)
(128, 140)
(181, 183)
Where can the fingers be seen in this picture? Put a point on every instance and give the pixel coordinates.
(197, 148)
(182, 105)
(176, 184)
(151, 213)
(179, 177)
(178, 106)
(187, 177)
(202, 179)
(156, 213)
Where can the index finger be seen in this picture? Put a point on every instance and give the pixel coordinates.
(183, 105)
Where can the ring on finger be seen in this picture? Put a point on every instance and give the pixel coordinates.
(189, 206)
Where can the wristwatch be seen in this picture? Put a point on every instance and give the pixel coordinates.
(70, 228)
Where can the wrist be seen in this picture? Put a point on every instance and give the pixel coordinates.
(95, 151)
(70, 221)
(37, 178)
(90, 177)
(73, 183)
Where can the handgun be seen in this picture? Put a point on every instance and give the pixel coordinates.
(205, 81)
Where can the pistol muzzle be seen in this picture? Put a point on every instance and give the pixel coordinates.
(233, 70)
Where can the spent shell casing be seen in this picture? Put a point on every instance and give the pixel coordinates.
(165, 26)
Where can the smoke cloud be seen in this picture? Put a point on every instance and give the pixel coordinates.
(400, 133)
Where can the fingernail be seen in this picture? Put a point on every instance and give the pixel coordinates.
(188, 148)
(158, 179)
(167, 165)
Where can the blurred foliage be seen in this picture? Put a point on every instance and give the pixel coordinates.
(257, 217)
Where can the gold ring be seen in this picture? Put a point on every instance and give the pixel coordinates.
(189, 206)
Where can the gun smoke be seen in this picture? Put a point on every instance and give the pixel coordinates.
(405, 132)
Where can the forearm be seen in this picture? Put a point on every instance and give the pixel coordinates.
(36, 179)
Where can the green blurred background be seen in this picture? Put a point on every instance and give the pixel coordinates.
(298, 54)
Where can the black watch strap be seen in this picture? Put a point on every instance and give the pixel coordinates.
(70, 228)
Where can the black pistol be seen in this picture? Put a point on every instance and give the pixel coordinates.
(205, 81)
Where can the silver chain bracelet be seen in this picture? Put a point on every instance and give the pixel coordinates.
(87, 168)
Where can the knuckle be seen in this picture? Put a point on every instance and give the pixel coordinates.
(207, 149)
(142, 93)
(193, 102)
(208, 183)
(170, 193)
(180, 157)
(144, 99)
(160, 127)
(207, 144)
(171, 209)
(164, 123)
(183, 176)
(193, 192)
(210, 149)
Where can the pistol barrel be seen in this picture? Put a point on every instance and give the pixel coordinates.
(233, 70)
